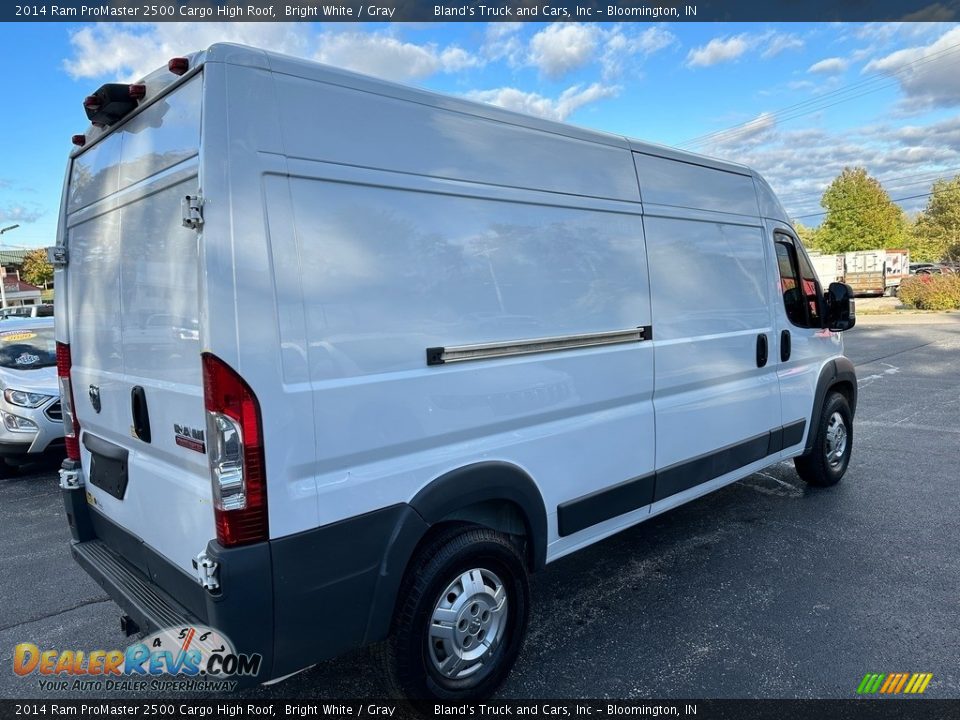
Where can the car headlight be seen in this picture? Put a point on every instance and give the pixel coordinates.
(24, 398)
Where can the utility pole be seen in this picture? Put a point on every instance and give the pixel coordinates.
(3, 289)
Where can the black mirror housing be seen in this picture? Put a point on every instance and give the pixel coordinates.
(841, 309)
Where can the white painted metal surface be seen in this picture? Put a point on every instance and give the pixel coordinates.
(134, 318)
(348, 225)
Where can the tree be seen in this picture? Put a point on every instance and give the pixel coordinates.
(36, 270)
(860, 215)
(808, 235)
(936, 234)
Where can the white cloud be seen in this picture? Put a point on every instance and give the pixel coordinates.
(128, 52)
(753, 131)
(718, 50)
(800, 164)
(532, 103)
(829, 66)
(16, 213)
(725, 49)
(782, 42)
(620, 46)
(502, 42)
(562, 47)
(927, 74)
(388, 57)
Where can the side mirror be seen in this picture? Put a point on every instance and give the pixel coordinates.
(841, 309)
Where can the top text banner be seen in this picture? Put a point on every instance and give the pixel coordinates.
(486, 11)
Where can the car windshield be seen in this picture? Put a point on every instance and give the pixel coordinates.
(27, 348)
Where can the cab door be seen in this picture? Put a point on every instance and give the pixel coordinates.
(802, 344)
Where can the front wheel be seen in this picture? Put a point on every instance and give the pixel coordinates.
(827, 461)
(460, 619)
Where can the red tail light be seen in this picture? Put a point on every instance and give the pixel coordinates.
(235, 453)
(71, 428)
(178, 66)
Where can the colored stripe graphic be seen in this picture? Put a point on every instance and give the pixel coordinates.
(870, 683)
(903, 680)
(894, 683)
(919, 683)
(890, 682)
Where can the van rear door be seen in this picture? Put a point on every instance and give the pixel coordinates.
(133, 312)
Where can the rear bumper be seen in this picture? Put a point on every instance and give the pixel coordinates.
(295, 600)
(157, 595)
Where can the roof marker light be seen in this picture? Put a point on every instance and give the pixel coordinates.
(79, 140)
(137, 92)
(178, 65)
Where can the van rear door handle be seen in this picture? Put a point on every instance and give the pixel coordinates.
(761, 350)
(784, 345)
(141, 416)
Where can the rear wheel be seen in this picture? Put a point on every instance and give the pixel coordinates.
(461, 617)
(827, 461)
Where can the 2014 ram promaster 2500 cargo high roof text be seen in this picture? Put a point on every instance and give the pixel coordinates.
(411, 349)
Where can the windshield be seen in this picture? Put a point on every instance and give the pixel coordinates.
(27, 348)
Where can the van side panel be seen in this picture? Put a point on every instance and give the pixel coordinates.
(715, 408)
(811, 352)
(371, 130)
(390, 263)
(253, 298)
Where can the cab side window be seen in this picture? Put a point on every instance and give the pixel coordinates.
(798, 284)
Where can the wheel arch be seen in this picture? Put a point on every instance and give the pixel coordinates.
(475, 492)
(837, 375)
(495, 494)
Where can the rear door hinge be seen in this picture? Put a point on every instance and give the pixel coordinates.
(57, 256)
(207, 571)
(70, 479)
(192, 206)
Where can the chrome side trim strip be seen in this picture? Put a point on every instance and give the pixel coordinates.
(511, 348)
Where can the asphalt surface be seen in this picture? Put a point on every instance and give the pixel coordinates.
(765, 589)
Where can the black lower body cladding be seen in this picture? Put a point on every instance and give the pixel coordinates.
(295, 600)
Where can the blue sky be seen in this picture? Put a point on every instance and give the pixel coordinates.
(797, 101)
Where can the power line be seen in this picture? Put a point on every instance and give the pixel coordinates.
(850, 208)
(802, 206)
(800, 109)
(930, 176)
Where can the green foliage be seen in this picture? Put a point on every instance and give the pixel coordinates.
(936, 234)
(808, 235)
(860, 215)
(931, 292)
(36, 270)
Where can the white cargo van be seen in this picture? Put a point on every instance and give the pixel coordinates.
(428, 346)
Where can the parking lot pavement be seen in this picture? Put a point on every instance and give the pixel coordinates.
(766, 588)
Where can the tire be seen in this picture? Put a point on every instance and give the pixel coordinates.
(475, 580)
(827, 461)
